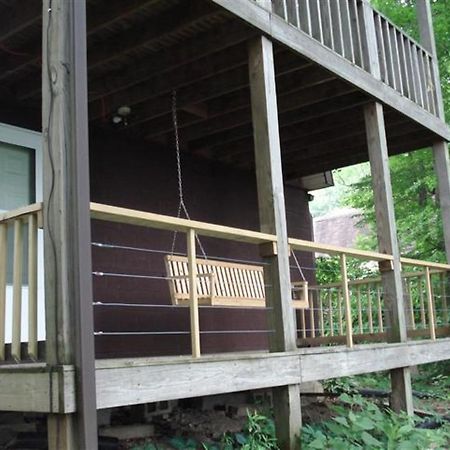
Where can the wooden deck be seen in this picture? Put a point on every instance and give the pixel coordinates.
(120, 382)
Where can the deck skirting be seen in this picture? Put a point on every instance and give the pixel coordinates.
(121, 382)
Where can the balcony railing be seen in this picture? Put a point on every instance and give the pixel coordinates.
(344, 26)
(345, 312)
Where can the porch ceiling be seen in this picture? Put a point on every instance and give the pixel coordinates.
(140, 50)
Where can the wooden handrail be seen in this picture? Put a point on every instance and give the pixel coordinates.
(19, 212)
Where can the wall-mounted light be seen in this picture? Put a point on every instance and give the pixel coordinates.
(122, 115)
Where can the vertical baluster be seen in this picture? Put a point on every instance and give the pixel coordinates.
(423, 78)
(316, 20)
(409, 292)
(347, 31)
(303, 322)
(330, 311)
(403, 65)
(17, 290)
(413, 94)
(305, 16)
(3, 266)
(356, 33)
(431, 322)
(280, 8)
(422, 302)
(443, 277)
(380, 310)
(321, 319)
(381, 48)
(431, 89)
(32, 287)
(346, 296)
(358, 301)
(292, 13)
(338, 39)
(327, 24)
(389, 58)
(369, 309)
(340, 318)
(193, 295)
(396, 59)
(312, 318)
(417, 76)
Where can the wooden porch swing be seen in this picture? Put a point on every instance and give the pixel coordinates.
(219, 283)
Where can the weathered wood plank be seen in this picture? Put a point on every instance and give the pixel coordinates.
(272, 218)
(68, 270)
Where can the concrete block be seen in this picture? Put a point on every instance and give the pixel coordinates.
(137, 431)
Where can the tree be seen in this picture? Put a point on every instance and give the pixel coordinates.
(413, 179)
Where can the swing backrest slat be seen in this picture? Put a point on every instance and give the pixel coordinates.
(222, 283)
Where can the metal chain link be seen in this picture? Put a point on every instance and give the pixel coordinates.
(181, 205)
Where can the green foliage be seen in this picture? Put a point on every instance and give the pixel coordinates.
(413, 179)
(361, 424)
(258, 434)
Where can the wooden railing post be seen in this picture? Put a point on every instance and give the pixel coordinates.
(369, 40)
(401, 398)
(3, 266)
(430, 304)
(193, 296)
(346, 295)
(17, 289)
(272, 217)
(32, 287)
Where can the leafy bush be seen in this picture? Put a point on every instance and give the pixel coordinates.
(361, 424)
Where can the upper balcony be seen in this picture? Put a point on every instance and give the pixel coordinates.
(348, 37)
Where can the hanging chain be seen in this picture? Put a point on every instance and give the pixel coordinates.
(298, 266)
(181, 205)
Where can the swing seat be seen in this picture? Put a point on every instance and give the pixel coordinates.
(222, 283)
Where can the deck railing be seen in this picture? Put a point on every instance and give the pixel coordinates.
(21, 330)
(348, 311)
(345, 27)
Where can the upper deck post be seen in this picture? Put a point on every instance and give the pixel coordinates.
(67, 239)
(272, 216)
(387, 243)
(440, 148)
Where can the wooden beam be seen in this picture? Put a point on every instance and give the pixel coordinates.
(172, 20)
(288, 101)
(387, 243)
(68, 271)
(291, 112)
(21, 14)
(197, 83)
(222, 37)
(272, 217)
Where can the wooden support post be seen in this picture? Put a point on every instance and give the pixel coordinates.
(358, 302)
(67, 233)
(348, 308)
(442, 170)
(193, 297)
(387, 243)
(440, 148)
(272, 216)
